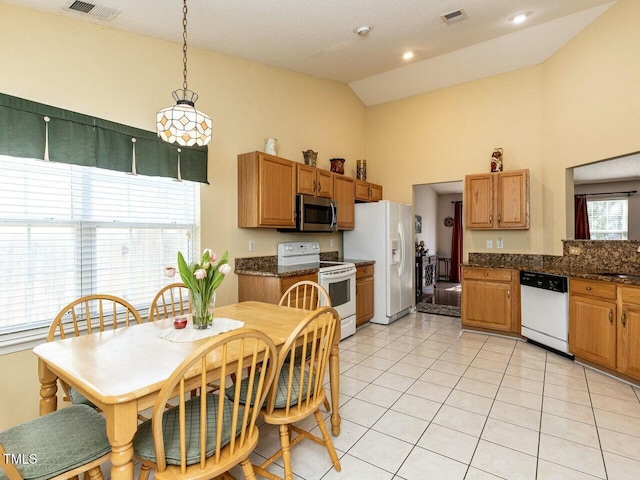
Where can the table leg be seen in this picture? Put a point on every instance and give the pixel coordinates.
(122, 423)
(334, 381)
(48, 389)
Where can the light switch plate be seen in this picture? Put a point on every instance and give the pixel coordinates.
(489, 243)
(499, 243)
(574, 250)
(332, 243)
(252, 245)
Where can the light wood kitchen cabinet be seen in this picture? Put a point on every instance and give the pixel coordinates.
(364, 294)
(344, 195)
(368, 192)
(497, 200)
(266, 191)
(314, 181)
(267, 289)
(592, 324)
(629, 331)
(491, 299)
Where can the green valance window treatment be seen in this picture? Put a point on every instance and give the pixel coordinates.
(70, 137)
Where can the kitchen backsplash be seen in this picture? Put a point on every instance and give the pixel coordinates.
(619, 256)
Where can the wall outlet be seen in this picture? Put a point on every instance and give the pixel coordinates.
(499, 243)
(489, 243)
(574, 250)
(252, 245)
(332, 243)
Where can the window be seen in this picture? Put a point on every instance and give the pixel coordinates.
(608, 219)
(67, 231)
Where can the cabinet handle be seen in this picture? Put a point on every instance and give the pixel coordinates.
(623, 319)
(588, 288)
(499, 218)
(611, 317)
(490, 218)
(314, 186)
(319, 187)
(509, 293)
(486, 274)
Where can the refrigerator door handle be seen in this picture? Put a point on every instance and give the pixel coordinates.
(402, 252)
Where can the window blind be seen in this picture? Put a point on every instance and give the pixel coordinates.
(67, 231)
(608, 218)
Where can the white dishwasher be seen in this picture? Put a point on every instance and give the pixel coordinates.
(544, 300)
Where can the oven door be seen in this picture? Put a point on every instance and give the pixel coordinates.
(341, 286)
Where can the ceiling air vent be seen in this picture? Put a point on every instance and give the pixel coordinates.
(98, 11)
(454, 17)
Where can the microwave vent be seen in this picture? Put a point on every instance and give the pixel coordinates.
(102, 12)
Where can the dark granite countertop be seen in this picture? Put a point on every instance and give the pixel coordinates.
(268, 266)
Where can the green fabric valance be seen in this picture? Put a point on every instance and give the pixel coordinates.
(70, 137)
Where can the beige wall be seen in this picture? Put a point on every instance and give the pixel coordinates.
(126, 78)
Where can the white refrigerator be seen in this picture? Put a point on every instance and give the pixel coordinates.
(383, 233)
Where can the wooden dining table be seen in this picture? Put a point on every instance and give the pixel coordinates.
(122, 371)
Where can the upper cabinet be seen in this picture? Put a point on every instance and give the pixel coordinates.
(344, 195)
(266, 191)
(497, 200)
(314, 181)
(368, 192)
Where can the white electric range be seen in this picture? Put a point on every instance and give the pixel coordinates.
(338, 279)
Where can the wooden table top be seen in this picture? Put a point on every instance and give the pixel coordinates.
(129, 363)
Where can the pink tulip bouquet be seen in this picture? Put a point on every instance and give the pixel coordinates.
(202, 278)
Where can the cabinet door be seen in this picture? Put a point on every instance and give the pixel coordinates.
(512, 199)
(363, 191)
(376, 192)
(592, 330)
(277, 191)
(344, 194)
(486, 304)
(324, 185)
(364, 300)
(479, 201)
(306, 183)
(629, 340)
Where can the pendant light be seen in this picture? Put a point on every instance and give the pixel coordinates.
(182, 123)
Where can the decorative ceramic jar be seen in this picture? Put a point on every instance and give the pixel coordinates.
(337, 165)
(361, 169)
(270, 145)
(496, 160)
(310, 157)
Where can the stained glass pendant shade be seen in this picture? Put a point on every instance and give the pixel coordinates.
(182, 123)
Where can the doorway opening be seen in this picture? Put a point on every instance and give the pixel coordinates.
(437, 258)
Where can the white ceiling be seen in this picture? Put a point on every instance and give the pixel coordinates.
(617, 169)
(316, 36)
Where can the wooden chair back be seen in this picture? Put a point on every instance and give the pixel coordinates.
(307, 295)
(170, 301)
(311, 340)
(244, 352)
(92, 313)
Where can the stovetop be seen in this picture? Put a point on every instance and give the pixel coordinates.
(306, 253)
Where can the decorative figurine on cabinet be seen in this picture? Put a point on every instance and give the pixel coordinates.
(496, 160)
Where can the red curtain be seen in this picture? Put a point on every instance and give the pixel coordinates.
(582, 218)
(456, 245)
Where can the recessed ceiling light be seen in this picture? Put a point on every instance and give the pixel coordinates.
(363, 30)
(521, 17)
(407, 55)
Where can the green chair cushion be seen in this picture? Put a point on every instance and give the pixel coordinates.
(78, 399)
(298, 355)
(143, 441)
(59, 442)
(281, 388)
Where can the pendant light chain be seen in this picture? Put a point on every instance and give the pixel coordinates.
(184, 45)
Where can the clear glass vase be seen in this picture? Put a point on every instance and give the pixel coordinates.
(202, 310)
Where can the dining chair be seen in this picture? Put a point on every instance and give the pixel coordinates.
(170, 301)
(59, 445)
(205, 436)
(298, 391)
(87, 315)
(305, 294)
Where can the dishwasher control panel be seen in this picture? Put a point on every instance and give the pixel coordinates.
(545, 281)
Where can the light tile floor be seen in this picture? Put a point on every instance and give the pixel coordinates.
(421, 399)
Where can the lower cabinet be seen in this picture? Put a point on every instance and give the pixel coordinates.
(364, 295)
(604, 325)
(267, 289)
(491, 299)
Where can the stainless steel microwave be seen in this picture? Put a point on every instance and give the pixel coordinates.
(316, 214)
